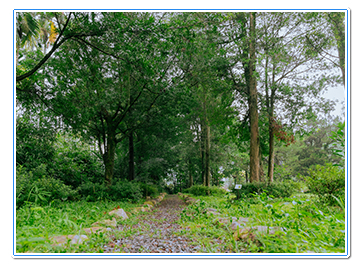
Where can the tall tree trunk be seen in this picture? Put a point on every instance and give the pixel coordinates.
(207, 156)
(191, 180)
(131, 173)
(202, 137)
(108, 157)
(205, 143)
(338, 26)
(271, 153)
(261, 169)
(270, 107)
(253, 106)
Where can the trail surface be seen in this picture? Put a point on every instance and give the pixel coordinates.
(157, 231)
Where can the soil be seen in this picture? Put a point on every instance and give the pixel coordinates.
(157, 232)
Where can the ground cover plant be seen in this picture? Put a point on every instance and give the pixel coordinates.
(35, 224)
(304, 226)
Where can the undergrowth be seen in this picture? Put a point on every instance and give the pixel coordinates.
(305, 225)
(35, 224)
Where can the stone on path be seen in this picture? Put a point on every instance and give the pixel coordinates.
(139, 209)
(190, 200)
(96, 230)
(111, 223)
(248, 232)
(238, 224)
(149, 204)
(72, 239)
(213, 211)
(120, 213)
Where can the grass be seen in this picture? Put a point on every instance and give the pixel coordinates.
(35, 224)
(307, 226)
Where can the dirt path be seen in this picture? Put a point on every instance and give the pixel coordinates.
(156, 231)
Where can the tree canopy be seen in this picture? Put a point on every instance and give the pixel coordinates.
(178, 98)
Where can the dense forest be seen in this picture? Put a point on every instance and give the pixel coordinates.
(121, 106)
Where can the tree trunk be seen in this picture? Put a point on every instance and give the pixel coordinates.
(253, 107)
(270, 108)
(271, 152)
(131, 173)
(191, 181)
(207, 156)
(203, 154)
(338, 27)
(108, 157)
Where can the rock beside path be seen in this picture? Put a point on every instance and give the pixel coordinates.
(110, 223)
(120, 213)
(72, 239)
(249, 232)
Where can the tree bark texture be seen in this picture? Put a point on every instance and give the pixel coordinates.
(337, 19)
(203, 154)
(253, 107)
(271, 153)
(108, 157)
(191, 180)
(131, 173)
(207, 156)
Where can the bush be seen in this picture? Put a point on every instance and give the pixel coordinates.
(93, 191)
(149, 190)
(201, 190)
(74, 164)
(125, 190)
(37, 187)
(121, 190)
(326, 182)
(276, 189)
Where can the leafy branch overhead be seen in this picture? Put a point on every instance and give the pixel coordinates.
(187, 97)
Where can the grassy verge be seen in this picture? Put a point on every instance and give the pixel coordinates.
(35, 224)
(306, 227)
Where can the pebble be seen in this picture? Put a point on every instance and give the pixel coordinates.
(159, 236)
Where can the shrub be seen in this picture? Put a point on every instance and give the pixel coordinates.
(276, 189)
(125, 190)
(149, 190)
(326, 182)
(37, 186)
(93, 191)
(75, 165)
(201, 190)
(121, 190)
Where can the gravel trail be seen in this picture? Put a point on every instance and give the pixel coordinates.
(156, 232)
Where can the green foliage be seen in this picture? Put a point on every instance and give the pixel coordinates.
(201, 190)
(93, 191)
(38, 188)
(125, 190)
(305, 226)
(149, 190)
(327, 182)
(339, 139)
(36, 224)
(276, 189)
(119, 191)
(34, 141)
(74, 162)
(314, 146)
